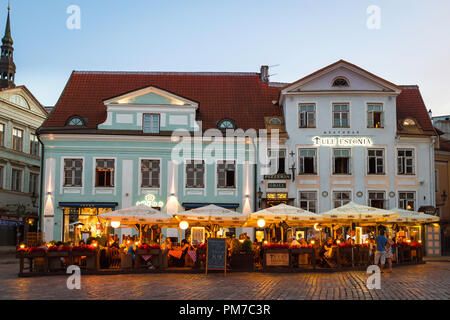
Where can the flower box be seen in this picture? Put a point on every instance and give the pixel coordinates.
(148, 251)
(277, 256)
(345, 255)
(301, 250)
(57, 254)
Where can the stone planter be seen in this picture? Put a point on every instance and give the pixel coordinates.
(242, 261)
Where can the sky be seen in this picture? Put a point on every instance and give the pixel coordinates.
(294, 37)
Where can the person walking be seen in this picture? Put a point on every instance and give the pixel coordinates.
(380, 254)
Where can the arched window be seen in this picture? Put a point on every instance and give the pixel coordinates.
(340, 82)
(409, 122)
(76, 121)
(226, 124)
(274, 121)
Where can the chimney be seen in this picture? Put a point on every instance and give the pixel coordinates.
(265, 73)
(430, 113)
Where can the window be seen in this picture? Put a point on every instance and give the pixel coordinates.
(340, 82)
(1, 177)
(76, 121)
(405, 161)
(409, 122)
(73, 170)
(307, 116)
(226, 124)
(104, 173)
(307, 163)
(226, 174)
(150, 173)
(308, 201)
(150, 123)
(406, 200)
(341, 198)
(375, 116)
(377, 199)
(34, 145)
(375, 161)
(274, 121)
(281, 160)
(341, 161)
(16, 180)
(340, 116)
(33, 183)
(2, 134)
(17, 139)
(195, 174)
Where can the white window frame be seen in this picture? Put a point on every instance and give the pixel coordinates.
(369, 116)
(94, 165)
(63, 159)
(13, 137)
(271, 158)
(33, 134)
(306, 113)
(350, 164)
(22, 178)
(216, 166)
(413, 157)
(37, 181)
(414, 199)
(385, 199)
(140, 173)
(340, 114)
(2, 140)
(185, 175)
(316, 162)
(368, 162)
(151, 122)
(309, 191)
(334, 191)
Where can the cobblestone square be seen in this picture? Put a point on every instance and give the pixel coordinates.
(424, 282)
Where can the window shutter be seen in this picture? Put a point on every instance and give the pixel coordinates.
(370, 119)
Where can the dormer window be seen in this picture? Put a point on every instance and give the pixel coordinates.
(274, 121)
(226, 124)
(76, 122)
(340, 82)
(409, 122)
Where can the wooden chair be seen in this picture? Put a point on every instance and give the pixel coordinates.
(114, 255)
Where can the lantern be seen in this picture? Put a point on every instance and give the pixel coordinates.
(115, 224)
(184, 225)
(261, 223)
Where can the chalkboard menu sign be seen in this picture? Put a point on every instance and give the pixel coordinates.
(216, 256)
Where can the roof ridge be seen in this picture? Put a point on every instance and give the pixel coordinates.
(205, 73)
(409, 86)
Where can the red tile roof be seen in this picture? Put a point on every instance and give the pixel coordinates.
(410, 104)
(242, 97)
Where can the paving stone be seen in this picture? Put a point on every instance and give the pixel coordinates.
(428, 281)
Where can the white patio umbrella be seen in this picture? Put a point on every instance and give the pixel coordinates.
(412, 216)
(284, 212)
(213, 214)
(357, 212)
(138, 214)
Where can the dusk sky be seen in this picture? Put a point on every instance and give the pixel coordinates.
(411, 47)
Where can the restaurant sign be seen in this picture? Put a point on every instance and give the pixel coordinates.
(273, 185)
(149, 201)
(277, 259)
(342, 141)
(277, 176)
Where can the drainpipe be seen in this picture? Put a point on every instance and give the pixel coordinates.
(41, 188)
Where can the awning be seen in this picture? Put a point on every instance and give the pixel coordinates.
(193, 205)
(88, 204)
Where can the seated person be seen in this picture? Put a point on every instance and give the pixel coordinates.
(326, 252)
(303, 242)
(293, 242)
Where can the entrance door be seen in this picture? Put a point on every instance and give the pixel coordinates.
(433, 240)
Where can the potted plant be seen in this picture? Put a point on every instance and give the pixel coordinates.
(242, 256)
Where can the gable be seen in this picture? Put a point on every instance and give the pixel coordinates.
(358, 79)
(151, 96)
(20, 97)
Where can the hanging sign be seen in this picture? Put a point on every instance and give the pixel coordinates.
(342, 141)
(150, 202)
